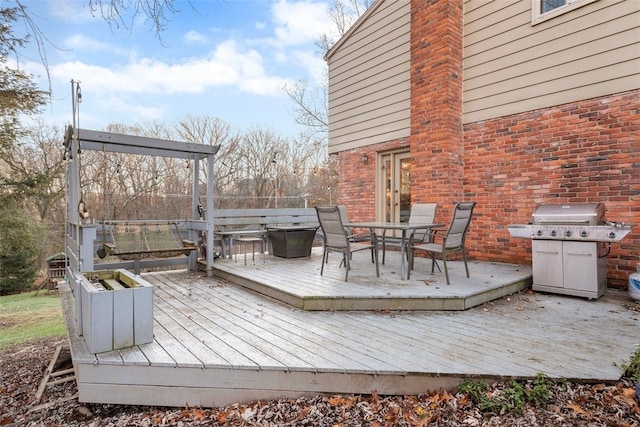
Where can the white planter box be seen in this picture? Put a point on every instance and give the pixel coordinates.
(116, 310)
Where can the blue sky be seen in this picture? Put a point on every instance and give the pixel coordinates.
(226, 59)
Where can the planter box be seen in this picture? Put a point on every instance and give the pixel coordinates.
(116, 310)
(291, 242)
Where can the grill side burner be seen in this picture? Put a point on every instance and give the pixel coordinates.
(569, 247)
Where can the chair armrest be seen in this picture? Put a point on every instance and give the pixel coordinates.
(361, 236)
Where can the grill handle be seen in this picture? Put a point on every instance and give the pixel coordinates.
(563, 222)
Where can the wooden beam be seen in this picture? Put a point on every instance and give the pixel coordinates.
(120, 143)
(47, 374)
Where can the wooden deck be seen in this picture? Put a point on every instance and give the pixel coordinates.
(298, 283)
(217, 343)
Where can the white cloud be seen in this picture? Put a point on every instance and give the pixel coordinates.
(227, 65)
(299, 23)
(195, 37)
(82, 43)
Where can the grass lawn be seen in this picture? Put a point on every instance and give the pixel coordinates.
(26, 317)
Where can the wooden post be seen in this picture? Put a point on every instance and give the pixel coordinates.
(209, 216)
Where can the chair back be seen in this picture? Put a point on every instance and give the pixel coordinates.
(333, 231)
(422, 213)
(343, 213)
(459, 225)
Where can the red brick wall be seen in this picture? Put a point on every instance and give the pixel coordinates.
(587, 151)
(357, 181)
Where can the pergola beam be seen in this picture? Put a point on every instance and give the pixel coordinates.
(119, 143)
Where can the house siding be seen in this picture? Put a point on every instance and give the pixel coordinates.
(369, 82)
(511, 66)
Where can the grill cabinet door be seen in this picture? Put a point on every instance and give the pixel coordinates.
(581, 266)
(547, 263)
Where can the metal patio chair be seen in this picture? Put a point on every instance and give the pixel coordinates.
(336, 238)
(452, 241)
(355, 237)
(421, 213)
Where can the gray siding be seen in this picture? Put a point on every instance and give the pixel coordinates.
(512, 66)
(369, 79)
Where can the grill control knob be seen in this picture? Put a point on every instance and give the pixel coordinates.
(553, 233)
(612, 235)
(568, 233)
(539, 233)
(584, 233)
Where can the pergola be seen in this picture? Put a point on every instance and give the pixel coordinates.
(81, 235)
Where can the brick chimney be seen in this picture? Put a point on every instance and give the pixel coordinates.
(436, 102)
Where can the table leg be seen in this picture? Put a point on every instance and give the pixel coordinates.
(403, 269)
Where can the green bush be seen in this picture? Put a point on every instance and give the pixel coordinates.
(632, 369)
(511, 399)
(19, 250)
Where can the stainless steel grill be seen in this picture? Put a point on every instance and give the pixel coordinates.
(580, 222)
(569, 248)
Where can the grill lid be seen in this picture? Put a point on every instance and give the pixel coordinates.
(569, 214)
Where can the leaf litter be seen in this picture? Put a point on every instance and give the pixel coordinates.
(569, 404)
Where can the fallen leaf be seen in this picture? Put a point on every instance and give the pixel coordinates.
(222, 417)
(630, 401)
(577, 409)
(628, 392)
(375, 398)
(199, 415)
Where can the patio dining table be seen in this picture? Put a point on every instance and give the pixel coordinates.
(406, 229)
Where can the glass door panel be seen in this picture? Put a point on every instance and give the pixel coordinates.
(393, 201)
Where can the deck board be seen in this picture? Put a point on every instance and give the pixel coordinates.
(291, 335)
(210, 350)
(217, 343)
(261, 352)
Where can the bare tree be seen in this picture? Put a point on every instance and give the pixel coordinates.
(213, 131)
(343, 14)
(123, 13)
(262, 157)
(39, 158)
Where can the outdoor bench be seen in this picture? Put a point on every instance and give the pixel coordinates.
(230, 224)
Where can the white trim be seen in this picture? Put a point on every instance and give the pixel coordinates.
(537, 17)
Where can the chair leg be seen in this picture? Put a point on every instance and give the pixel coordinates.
(446, 271)
(464, 257)
(384, 251)
(347, 258)
(324, 260)
(377, 265)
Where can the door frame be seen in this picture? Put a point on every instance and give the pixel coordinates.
(394, 159)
